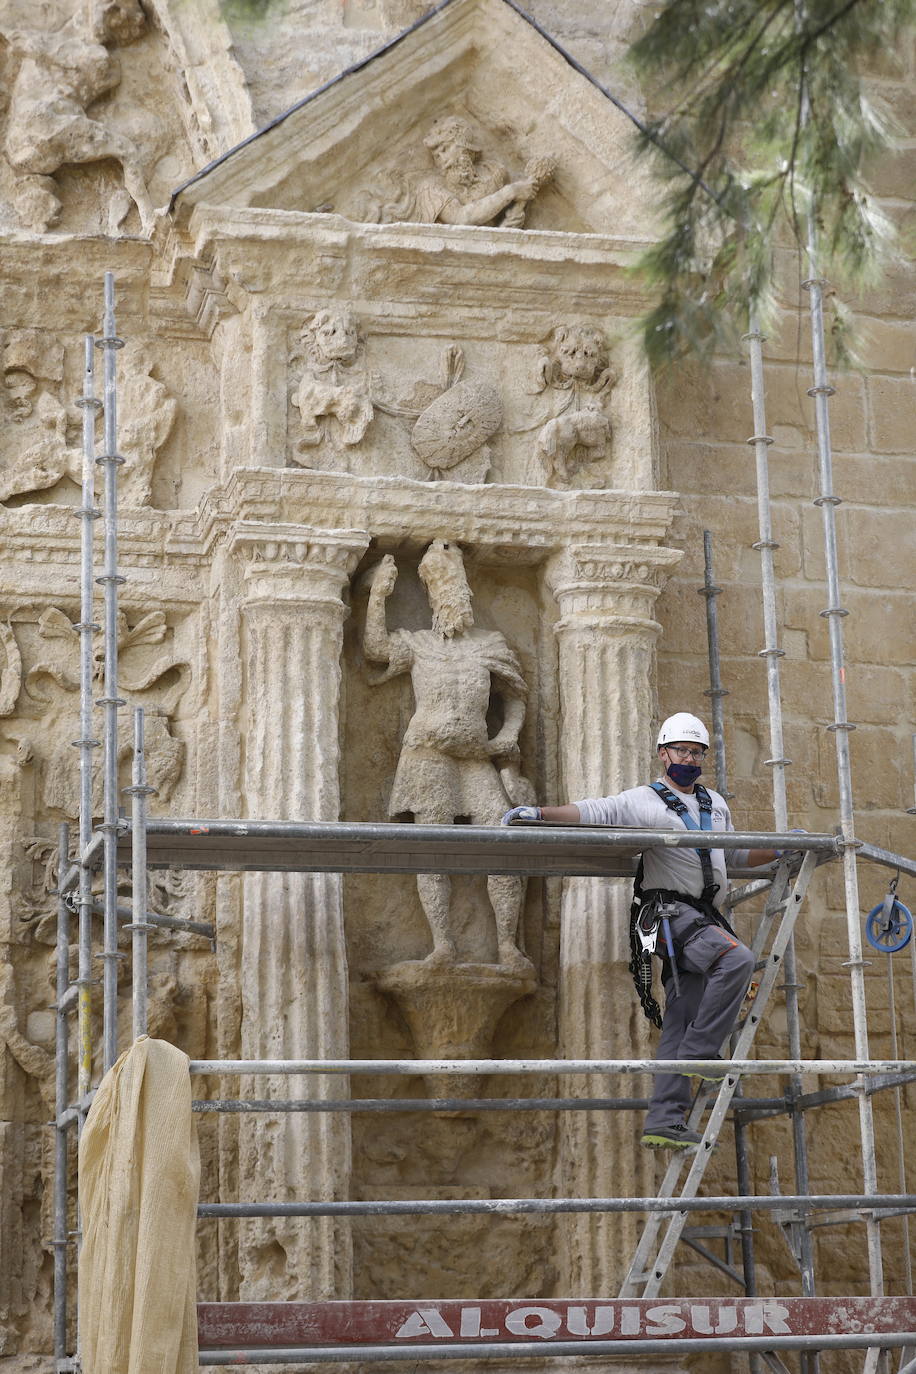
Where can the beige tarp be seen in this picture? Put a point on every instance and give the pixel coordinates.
(139, 1170)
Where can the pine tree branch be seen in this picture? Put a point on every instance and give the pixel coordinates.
(832, 21)
(775, 127)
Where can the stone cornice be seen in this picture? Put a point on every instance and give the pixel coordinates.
(513, 524)
(40, 557)
(300, 257)
(71, 267)
(163, 553)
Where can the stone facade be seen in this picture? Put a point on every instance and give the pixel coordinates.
(400, 319)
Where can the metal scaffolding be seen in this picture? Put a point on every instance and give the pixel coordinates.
(745, 1324)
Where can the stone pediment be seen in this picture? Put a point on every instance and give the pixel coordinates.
(470, 103)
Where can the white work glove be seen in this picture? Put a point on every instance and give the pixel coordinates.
(521, 813)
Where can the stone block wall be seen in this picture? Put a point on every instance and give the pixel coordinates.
(705, 419)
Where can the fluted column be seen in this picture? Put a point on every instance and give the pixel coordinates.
(293, 956)
(606, 640)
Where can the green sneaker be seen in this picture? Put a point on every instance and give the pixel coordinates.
(707, 1076)
(678, 1137)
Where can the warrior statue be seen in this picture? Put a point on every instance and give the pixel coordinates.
(450, 769)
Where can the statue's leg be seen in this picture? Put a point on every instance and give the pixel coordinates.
(506, 895)
(505, 892)
(435, 891)
(135, 184)
(119, 204)
(90, 141)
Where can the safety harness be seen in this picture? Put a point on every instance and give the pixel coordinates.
(647, 906)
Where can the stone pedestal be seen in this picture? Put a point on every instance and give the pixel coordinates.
(293, 956)
(452, 1011)
(606, 639)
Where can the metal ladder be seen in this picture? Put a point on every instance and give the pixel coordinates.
(651, 1260)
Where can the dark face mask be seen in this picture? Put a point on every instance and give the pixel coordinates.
(684, 774)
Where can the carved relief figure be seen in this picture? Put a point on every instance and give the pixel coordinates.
(143, 667)
(464, 188)
(33, 433)
(453, 420)
(10, 670)
(449, 768)
(576, 369)
(146, 413)
(333, 395)
(58, 77)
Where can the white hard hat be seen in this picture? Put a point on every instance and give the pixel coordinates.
(683, 727)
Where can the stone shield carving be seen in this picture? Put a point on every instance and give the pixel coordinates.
(457, 424)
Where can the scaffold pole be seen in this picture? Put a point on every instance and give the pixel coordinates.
(834, 614)
(88, 513)
(110, 460)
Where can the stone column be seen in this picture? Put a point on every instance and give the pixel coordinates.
(606, 640)
(293, 956)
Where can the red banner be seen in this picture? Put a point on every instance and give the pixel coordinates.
(262, 1325)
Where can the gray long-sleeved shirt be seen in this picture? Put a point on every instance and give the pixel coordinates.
(677, 869)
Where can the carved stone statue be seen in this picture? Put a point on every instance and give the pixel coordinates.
(449, 768)
(464, 188)
(146, 413)
(60, 75)
(33, 434)
(333, 395)
(576, 369)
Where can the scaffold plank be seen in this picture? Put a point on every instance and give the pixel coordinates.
(366, 847)
(265, 1325)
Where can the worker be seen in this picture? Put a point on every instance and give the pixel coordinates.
(678, 911)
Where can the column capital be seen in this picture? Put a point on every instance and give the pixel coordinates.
(609, 586)
(295, 563)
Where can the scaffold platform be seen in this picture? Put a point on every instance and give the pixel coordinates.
(534, 849)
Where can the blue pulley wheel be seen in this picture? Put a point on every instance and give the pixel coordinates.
(889, 926)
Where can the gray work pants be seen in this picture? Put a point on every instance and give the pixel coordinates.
(714, 970)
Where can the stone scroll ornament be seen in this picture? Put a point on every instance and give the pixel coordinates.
(452, 421)
(450, 768)
(576, 374)
(55, 77)
(332, 393)
(462, 187)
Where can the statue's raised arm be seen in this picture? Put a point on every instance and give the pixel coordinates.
(377, 643)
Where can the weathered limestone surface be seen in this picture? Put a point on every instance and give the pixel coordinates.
(606, 638)
(292, 955)
(400, 319)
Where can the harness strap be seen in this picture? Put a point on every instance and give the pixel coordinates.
(707, 913)
(674, 803)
